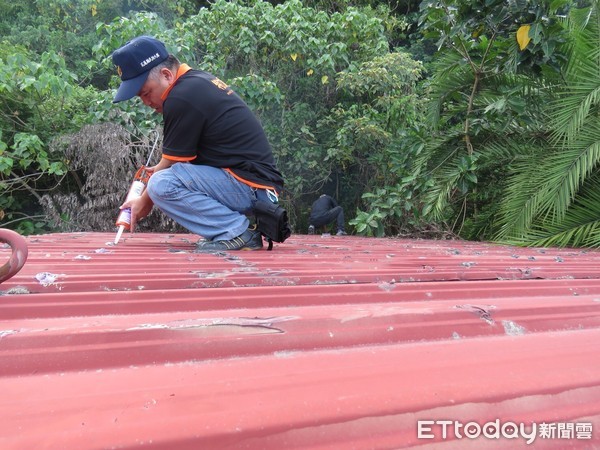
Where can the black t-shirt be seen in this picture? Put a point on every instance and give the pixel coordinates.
(206, 123)
(322, 205)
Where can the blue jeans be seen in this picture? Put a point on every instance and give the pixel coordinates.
(208, 201)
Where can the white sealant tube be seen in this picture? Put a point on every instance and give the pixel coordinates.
(124, 220)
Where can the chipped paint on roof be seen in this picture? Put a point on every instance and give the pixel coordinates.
(325, 342)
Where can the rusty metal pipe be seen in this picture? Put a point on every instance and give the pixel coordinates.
(19, 253)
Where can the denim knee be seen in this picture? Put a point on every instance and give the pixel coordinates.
(159, 185)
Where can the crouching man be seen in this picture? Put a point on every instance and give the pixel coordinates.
(216, 158)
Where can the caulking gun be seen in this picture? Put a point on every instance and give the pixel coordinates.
(140, 180)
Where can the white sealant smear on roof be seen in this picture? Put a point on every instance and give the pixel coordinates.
(378, 311)
(285, 354)
(207, 322)
(387, 286)
(46, 278)
(4, 333)
(484, 312)
(512, 328)
(18, 290)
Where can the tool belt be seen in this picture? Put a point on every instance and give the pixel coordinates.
(271, 221)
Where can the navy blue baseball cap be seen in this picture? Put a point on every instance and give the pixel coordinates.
(134, 61)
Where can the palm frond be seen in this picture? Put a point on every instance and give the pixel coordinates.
(544, 189)
(437, 198)
(452, 77)
(521, 201)
(580, 19)
(580, 227)
(437, 151)
(581, 95)
(566, 171)
(571, 111)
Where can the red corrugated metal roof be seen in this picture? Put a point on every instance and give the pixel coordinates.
(325, 342)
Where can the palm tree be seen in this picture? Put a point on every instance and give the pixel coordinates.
(553, 193)
(485, 113)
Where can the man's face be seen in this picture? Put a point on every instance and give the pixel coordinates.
(153, 88)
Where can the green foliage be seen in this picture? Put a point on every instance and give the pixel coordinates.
(377, 135)
(392, 210)
(68, 28)
(493, 141)
(550, 194)
(285, 60)
(487, 103)
(287, 38)
(336, 104)
(536, 142)
(580, 227)
(469, 27)
(36, 99)
(314, 62)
